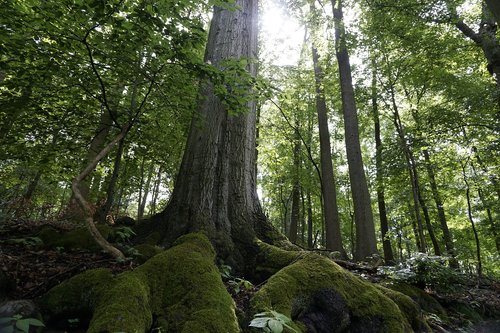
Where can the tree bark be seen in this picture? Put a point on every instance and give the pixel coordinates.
(295, 214)
(84, 204)
(421, 245)
(110, 197)
(328, 187)
(366, 243)
(96, 145)
(384, 223)
(156, 191)
(473, 225)
(215, 191)
(143, 200)
(448, 239)
(485, 38)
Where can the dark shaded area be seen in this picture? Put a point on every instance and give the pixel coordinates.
(322, 312)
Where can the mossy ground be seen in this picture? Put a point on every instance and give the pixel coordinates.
(181, 287)
(313, 274)
(75, 239)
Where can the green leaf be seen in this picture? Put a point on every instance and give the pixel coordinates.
(34, 322)
(23, 325)
(259, 322)
(275, 326)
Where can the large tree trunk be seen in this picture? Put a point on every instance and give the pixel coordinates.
(366, 243)
(328, 187)
(215, 191)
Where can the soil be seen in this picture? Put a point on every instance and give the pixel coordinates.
(32, 270)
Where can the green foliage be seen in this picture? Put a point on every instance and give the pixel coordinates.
(427, 271)
(271, 322)
(237, 284)
(18, 324)
(123, 234)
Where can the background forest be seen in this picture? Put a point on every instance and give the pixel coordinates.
(426, 82)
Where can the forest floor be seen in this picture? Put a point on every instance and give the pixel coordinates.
(31, 270)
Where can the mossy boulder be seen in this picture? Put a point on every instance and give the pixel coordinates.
(410, 309)
(423, 299)
(271, 259)
(181, 287)
(147, 251)
(75, 239)
(308, 290)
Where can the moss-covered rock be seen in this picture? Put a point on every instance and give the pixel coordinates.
(271, 259)
(147, 251)
(423, 299)
(182, 287)
(410, 309)
(76, 239)
(311, 283)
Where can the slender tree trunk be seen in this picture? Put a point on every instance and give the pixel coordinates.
(104, 210)
(421, 245)
(75, 186)
(384, 223)
(142, 204)
(448, 239)
(302, 217)
(295, 214)
(96, 145)
(473, 225)
(309, 220)
(366, 243)
(328, 187)
(156, 191)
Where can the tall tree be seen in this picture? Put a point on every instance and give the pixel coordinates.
(366, 243)
(328, 186)
(215, 189)
(384, 222)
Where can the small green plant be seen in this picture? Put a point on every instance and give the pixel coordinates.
(17, 324)
(271, 322)
(238, 284)
(124, 233)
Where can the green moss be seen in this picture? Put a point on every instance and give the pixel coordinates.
(410, 309)
(76, 239)
(315, 274)
(124, 306)
(424, 300)
(271, 259)
(182, 286)
(147, 251)
(76, 297)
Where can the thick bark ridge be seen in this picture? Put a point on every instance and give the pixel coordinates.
(215, 191)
